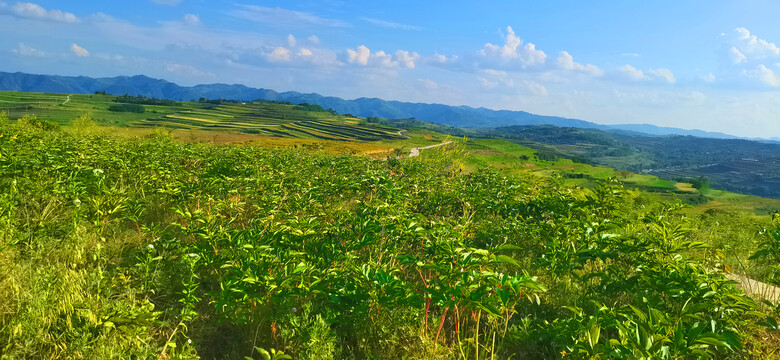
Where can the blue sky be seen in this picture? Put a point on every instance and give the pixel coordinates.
(711, 65)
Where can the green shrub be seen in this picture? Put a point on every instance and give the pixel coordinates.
(31, 121)
(133, 108)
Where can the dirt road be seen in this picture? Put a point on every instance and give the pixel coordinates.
(416, 151)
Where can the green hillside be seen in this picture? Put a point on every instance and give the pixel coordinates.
(155, 248)
(671, 157)
(263, 118)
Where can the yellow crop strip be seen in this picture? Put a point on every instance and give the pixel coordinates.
(191, 118)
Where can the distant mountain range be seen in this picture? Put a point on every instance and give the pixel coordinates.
(458, 116)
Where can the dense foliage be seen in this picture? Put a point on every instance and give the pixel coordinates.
(143, 100)
(133, 108)
(151, 248)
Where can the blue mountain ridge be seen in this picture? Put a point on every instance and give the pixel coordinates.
(458, 116)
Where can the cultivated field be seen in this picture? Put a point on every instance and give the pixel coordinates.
(271, 119)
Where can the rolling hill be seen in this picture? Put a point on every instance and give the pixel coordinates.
(732, 164)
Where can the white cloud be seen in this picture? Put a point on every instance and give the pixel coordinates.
(630, 54)
(133, 62)
(438, 59)
(282, 17)
(291, 40)
(665, 74)
(505, 81)
(24, 50)
(495, 72)
(406, 58)
(279, 54)
(34, 11)
(362, 56)
(750, 47)
(428, 84)
(514, 50)
(210, 46)
(566, 61)
(79, 51)
(736, 55)
(304, 52)
(100, 17)
(533, 87)
(710, 78)
(359, 56)
(631, 72)
(382, 59)
(188, 70)
(313, 39)
(191, 19)
(764, 74)
(487, 84)
(391, 24)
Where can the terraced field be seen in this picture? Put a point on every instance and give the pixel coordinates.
(271, 119)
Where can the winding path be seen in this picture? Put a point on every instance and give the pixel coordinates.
(415, 152)
(66, 101)
(404, 136)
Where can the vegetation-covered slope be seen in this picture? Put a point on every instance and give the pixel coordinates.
(150, 248)
(736, 165)
(264, 118)
(731, 164)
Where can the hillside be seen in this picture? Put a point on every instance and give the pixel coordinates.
(264, 118)
(458, 116)
(163, 249)
(675, 158)
(737, 165)
(731, 164)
